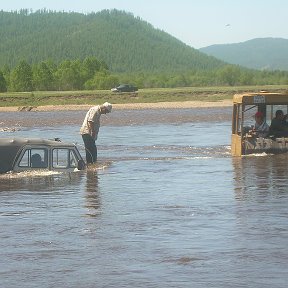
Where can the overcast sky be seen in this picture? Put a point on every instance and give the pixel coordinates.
(198, 23)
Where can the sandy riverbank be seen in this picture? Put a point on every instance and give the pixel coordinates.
(128, 114)
(129, 106)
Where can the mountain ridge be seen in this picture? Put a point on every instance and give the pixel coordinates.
(260, 53)
(126, 43)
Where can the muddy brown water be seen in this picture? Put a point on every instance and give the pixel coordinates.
(169, 207)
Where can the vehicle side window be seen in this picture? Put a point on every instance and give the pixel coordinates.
(64, 158)
(34, 158)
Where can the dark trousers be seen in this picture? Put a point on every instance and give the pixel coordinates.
(90, 147)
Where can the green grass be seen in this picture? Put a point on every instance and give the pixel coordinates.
(42, 98)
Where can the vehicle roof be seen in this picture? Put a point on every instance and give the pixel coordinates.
(18, 141)
(122, 85)
(261, 97)
(9, 148)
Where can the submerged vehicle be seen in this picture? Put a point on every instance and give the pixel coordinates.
(245, 107)
(26, 154)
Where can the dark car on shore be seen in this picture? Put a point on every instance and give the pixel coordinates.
(125, 88)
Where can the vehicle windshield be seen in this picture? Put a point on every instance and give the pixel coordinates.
(250, 111)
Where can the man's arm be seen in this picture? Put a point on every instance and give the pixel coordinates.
(91, 129)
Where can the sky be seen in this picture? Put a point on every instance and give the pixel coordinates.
(197, 23)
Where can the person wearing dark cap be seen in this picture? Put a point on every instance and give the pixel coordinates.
(90, 128)
(279, 126)
(261, 128)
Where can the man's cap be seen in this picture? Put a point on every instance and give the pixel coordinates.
(259, 114)
(107, 106)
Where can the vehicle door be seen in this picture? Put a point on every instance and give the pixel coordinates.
(32, 157)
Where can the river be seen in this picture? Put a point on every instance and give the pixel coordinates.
(168, 207)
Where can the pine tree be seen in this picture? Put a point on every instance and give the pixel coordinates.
(21, 77)
(3, 86)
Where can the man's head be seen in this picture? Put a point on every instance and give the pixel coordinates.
(259, 116)
(106, 108)
(279, 114)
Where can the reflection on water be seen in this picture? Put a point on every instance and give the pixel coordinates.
(168, 207)
(92, 194)
(261, 191)
(260, 175)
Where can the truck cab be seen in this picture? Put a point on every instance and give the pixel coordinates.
(245, 106)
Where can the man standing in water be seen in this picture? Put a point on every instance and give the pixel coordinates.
(90, 129)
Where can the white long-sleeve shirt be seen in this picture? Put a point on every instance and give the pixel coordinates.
(262, 130)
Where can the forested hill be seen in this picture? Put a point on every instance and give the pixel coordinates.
(261, 53)
(125, 43)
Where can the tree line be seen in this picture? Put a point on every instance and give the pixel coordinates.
(131, 51)
(94, 74)
(126, 43)
(88, 74)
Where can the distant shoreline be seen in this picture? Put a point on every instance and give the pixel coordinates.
(127, 106)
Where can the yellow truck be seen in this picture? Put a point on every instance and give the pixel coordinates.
(245, 139)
